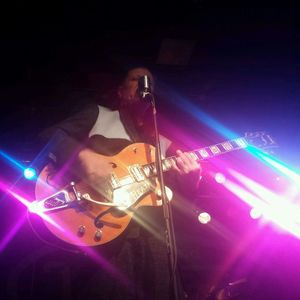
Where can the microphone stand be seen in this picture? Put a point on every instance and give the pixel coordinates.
(167, 210)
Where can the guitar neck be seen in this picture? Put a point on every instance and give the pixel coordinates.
(199, 154)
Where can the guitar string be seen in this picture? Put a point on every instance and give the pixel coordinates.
(197, 153)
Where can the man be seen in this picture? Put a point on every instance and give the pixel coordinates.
(81, 142)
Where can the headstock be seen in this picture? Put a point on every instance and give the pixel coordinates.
(260, 139)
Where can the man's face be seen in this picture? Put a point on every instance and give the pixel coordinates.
(128, 91)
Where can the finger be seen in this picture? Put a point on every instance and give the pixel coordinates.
(183, 166)
(182, 157)
(175, 166)
(186, 160)
(188, 164)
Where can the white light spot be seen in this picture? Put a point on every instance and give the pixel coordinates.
(220, 178)
(204, 218)
(255, 213)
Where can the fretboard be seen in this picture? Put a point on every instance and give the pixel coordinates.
(199, 154)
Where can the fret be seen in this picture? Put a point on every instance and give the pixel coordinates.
(241, 142)
(173, 160)
(194, 155)
(164, 166)
(167, 163)
(146, 170)
(199, 154)
(227, 146)
(149, 170)
(215, 149)
(203, 153)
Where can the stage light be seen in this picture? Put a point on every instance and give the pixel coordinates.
(29, 173)
(220, 178)
(204, 217)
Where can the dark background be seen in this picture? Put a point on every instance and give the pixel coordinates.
(238, 61)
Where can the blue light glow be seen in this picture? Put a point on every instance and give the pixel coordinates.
(14, 162)
(29, 173)
(203, 117)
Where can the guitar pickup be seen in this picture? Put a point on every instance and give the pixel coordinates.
(137, 173)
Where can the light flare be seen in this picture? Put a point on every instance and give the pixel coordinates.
(220, 178)
(278, 165)
(13, 161)
(275, 208)
(255, 213)
(11, 233)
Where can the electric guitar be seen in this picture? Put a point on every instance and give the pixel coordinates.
(89, 216)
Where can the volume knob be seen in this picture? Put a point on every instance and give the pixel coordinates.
(98, 235)
(81, 230)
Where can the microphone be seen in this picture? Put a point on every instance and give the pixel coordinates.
(144, 87)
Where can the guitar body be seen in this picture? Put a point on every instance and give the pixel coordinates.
(87, 223)
(89, 216)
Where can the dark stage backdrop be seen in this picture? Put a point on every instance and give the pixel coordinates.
(236, 63)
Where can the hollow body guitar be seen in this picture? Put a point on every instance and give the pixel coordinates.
(89, 216)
